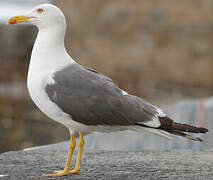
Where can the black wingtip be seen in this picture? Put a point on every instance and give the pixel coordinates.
(168, 124)
(203, 130)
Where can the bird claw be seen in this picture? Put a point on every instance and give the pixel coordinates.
(58, 173)
(62, 173)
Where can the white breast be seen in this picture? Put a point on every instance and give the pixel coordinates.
(36, 86)
(48, 56)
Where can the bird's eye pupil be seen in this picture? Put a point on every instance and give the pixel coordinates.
(40, 10)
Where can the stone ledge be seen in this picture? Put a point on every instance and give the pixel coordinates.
(145, 164)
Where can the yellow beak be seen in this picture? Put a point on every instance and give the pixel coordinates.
(18, 19)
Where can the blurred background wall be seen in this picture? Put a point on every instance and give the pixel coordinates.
(159, 50)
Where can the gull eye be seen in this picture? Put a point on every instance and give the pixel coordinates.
(40, 10)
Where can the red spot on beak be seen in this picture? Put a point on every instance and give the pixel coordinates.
(12, 22)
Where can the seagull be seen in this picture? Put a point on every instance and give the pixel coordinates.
(81, 98)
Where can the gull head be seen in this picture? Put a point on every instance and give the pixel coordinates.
(43, 16)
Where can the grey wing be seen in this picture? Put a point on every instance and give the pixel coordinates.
(100, 74)
(92, 98)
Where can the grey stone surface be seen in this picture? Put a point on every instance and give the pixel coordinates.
(145, 164)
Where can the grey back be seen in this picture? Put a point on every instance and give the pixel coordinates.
(92, 98)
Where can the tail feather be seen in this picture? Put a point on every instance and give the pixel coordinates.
(159, 132)
(179, 133)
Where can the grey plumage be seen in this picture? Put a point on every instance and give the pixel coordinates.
(92, 98)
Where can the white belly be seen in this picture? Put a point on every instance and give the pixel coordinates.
(36, 86)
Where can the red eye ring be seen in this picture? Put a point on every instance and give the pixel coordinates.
(40, 10)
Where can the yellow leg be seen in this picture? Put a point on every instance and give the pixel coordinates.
(67, 170)
(76, 170)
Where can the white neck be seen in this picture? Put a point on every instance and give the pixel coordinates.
(50, 39)
(49, 51)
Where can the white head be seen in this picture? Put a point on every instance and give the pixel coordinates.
(43, 16)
